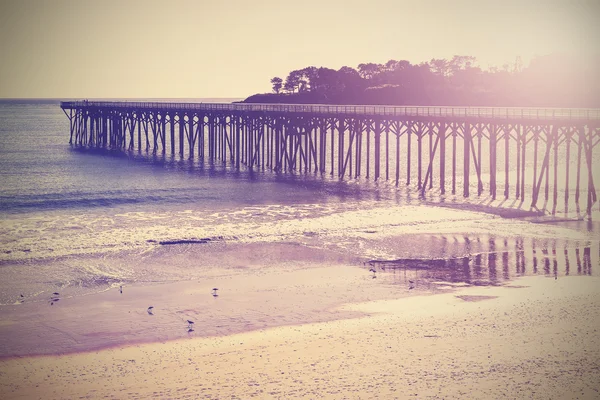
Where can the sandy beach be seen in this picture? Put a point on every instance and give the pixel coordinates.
(466, 315)
(536, 337)
(267, 200)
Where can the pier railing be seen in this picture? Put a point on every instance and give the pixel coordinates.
(480, 112)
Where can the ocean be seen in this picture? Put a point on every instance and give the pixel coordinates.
(88, 221)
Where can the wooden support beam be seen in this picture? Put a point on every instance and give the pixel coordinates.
(181, 133)
(466, 160)
(592, 197)
(398, 134)
(519, 141)
(237, 142)
(567, 166)
(352, 132)
(430, 165)
(155, 133)
(492, 152)
(191, 135)
(523, 153)
(340, 156)
(359, 140)
(262, 145)
(387, 152)
(409, 131)
(442, 140)
(377, 147)
(454, 134)
(348, 155)
(478, 162)
(536, 138)
(549, 136)
(419, 154)
(332, 144)
(507, 161)
(580, 140)
(200, 135)
(368, 133)
(430, 134)
(543, 170)
(139, 131)
(323, 146)
(555, 175)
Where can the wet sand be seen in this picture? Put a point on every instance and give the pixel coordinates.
(534, 338)
(295, 320)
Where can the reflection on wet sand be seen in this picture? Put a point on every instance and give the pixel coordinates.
(500, 262)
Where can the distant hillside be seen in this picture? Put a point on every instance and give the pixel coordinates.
(549, 81)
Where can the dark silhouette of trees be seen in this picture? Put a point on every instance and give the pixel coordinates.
(369, 70)
(277, 84)
(440, 67)
(309, 75)
(293, 81)
(328, 84)
(548, 81)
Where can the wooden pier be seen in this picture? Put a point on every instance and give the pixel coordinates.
(518, 153)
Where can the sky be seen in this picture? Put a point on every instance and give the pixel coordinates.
(232, 48)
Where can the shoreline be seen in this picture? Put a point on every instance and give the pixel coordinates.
(306, 317)
(418, 337)
(253, 278)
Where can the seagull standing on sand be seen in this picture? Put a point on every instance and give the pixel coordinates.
(373, 271)
(54, 299)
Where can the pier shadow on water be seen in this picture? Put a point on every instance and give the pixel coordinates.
(327, 187)
(319, 183)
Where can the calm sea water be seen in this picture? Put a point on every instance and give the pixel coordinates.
(40, 171)
(80, 219)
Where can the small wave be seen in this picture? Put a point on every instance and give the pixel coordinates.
(184, 241)
(40, 202)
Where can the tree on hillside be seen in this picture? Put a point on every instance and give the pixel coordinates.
(350, 75)
(369, 70)
(327, 83)
(310, 74)
(458, 63)
(390, 65)
(293, 81)
(395, 72)
(350, 80)
(440, 66)
(464, 73)
(277, 84)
